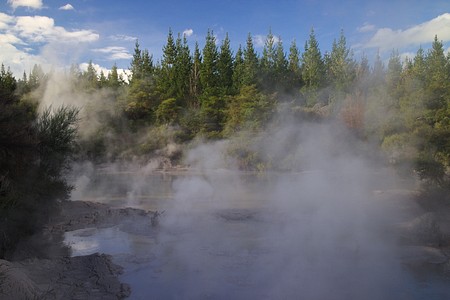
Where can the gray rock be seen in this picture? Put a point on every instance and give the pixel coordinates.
(423, 230)
(423, 255)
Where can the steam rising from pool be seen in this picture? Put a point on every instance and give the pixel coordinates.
(321, 232)
(315, 234)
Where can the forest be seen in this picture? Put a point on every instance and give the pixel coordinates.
(399, 107)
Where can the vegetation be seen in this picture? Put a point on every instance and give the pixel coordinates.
(35, 153)
(213, 93)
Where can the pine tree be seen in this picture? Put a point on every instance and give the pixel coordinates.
(23, 86)
(142, 98)
(102, 80)
(182, 69)
(166, 78)
(169, 51)
(393, 76)
(24, 77)
(438, 77)
(209, 68)
(225, 66)
(419, 65)
(412, 100)
(37, 77)
(113, 78)
(362, 75)
(136, 63)
(90, 76)
(281, 65)
(313, 69)
(8, 85)
(435, 156)
(378, 72)
(295, 73)
(268, 57)
(340, 66)
(146, 67)
(251, 65)
(238, 70)
(74, 73)
(212, 103)
(194, 81)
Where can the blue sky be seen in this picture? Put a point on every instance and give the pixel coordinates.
(58, 33)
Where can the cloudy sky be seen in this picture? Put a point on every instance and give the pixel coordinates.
(57, 33)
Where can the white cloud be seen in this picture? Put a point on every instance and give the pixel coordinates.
(68, 6)
(36, 4)
(35, 28)
(259, 40)
(387, 38)
(8, 38)
(43, 29)
(122, 37)
(98, 69)
(407, 55)
(366, 28)
(188, 32)
(75, 36)
(5, 20)
(115, 52)
(41, 42)
(19, 61)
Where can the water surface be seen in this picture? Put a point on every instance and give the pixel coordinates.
(228, 236)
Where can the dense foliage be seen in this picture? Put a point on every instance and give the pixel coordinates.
(35, 153)
(402, 106)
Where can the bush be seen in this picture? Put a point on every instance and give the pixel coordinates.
(429, 169)
(32, 179)
(168, 111)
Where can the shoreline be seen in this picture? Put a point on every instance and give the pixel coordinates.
(43, 268)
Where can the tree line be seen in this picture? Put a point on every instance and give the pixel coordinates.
(402, 105)
(213, 92)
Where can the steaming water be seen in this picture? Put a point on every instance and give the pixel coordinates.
(238, 236)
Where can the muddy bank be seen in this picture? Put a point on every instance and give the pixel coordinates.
(43, 269)
(84, 277)
(83, 214)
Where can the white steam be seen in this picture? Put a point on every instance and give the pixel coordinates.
(60, 91)
(318, 233)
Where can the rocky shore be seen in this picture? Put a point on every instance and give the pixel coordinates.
(42, 267)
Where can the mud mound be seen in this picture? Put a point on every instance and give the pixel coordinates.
(84, 277)
(15, 284)
(80, 214)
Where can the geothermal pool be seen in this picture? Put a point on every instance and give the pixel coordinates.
(228, 235)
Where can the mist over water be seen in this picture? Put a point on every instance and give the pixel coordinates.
(324, 230)
(315, 234)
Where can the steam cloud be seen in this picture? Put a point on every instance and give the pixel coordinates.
(94, 107)
(320, 233)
